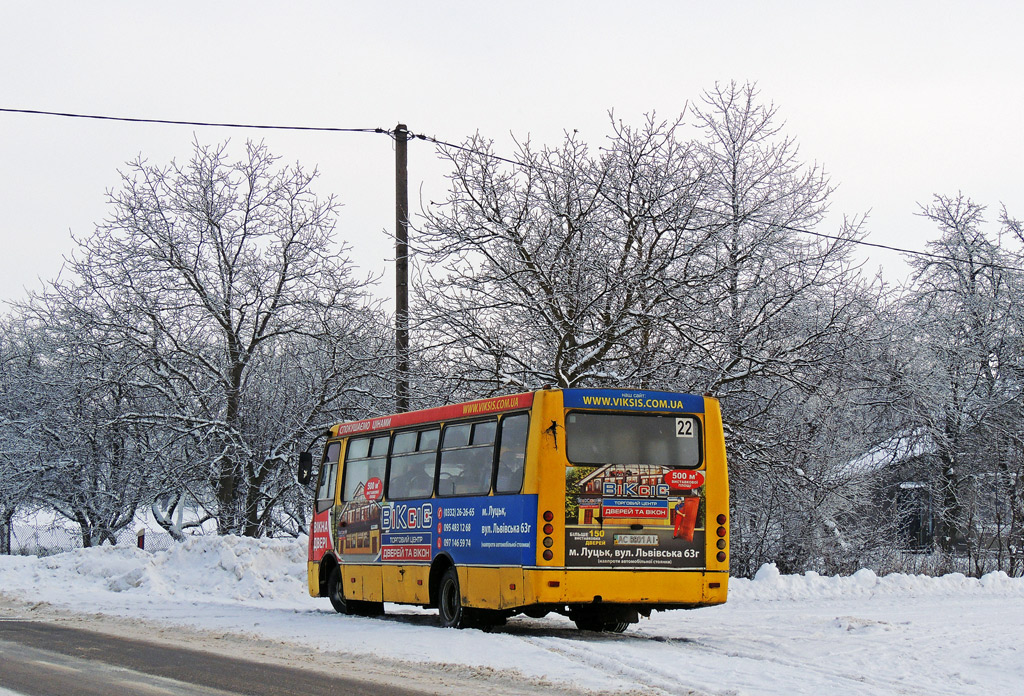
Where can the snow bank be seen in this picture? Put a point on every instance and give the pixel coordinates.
(778, 634)
(769, 584)
(273, 572)
(208, 568)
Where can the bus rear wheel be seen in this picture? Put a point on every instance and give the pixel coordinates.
(449, 601)
(602, 620)
(592, 623)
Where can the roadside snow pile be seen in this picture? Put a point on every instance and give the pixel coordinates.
(769, 584)
(272, 573)
(236, 568)
(208, 568)
(778, 634)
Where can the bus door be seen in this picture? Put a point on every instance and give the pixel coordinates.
(321, 538)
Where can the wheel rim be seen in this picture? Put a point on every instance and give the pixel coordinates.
(335, 592)
(449, 601)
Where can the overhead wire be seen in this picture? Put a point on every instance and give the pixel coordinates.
(164, 121)
(462, 148)
(911, 252)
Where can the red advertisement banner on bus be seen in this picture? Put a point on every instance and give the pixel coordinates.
(481, 407)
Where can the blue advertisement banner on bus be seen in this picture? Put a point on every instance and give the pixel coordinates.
(632, 400)
(492, 530)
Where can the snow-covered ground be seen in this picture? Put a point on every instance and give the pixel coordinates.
(777, 634)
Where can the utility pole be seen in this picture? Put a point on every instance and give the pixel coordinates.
(401, 269)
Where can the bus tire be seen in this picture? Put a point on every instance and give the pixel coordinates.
(449, 601)
(336, 592)
(599, 623)
(367, 608)
(588, 623)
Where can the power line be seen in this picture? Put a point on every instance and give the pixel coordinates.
(470, 150)
(473, 151)
(260, 126)
(911, 252)
(164, 121)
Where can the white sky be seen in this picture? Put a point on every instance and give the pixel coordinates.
(898, 100)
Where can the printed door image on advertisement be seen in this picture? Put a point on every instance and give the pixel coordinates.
(639, 516)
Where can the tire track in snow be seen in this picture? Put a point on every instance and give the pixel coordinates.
(751, 661)
(636, 672)
(755, 656)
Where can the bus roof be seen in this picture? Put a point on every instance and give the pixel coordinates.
(603, 399)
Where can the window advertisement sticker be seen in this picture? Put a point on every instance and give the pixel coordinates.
(634, 516)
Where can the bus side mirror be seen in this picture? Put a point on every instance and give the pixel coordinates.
(305, 472)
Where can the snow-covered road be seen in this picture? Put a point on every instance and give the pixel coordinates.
(777, 634)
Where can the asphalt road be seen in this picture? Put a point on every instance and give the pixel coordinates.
(44, 659)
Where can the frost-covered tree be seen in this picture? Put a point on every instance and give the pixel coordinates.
(559, 268)
(70, 443)
(961, 386)
(17, 421)
(249, 329)
(785, 313)
(674, 259)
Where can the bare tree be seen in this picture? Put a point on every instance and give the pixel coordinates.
(784, 313)
(17, 421)
(253, 334)
(670, 263)
(559, 268)
(963, 388)
(68, 446)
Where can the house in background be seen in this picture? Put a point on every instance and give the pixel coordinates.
(902, 468)
(908, 475)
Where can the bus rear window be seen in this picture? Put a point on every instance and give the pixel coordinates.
(619, 438)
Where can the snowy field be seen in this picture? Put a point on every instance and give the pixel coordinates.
(777, 635)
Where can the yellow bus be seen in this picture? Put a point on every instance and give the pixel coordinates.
(600, 504)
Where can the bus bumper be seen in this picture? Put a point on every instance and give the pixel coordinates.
(657, 589)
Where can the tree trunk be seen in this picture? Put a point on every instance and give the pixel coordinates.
(86, 530)
(6, 524)
(229, 521)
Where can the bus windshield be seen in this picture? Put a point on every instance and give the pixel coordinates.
(633, 439)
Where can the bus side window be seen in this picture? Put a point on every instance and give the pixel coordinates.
(413, 460)
(328, 477)
(512, 455)
(467, 459)
(362, 463)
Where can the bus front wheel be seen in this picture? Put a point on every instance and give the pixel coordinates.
(449, 602)
(336, 592)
